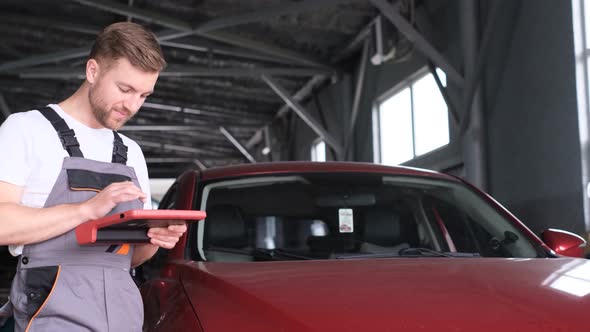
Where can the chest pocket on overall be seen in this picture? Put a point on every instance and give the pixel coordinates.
(81, 179)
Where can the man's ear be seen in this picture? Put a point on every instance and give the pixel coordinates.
(92, 69)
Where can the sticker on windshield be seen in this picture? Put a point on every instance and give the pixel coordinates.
(345, 218)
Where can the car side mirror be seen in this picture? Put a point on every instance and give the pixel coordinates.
(564, 242)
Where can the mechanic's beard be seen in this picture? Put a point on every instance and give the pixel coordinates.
(102, 115)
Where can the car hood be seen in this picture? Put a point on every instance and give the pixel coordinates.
(405, 294)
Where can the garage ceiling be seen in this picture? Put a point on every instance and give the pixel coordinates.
(217, 52)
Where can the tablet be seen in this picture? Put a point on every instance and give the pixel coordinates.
(131, 226)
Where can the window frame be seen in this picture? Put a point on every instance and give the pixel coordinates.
(407, 82)
(580, 32)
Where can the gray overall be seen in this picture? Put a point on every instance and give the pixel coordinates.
(61, 286)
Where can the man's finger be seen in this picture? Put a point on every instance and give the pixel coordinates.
(177, 228)
(126, 187)
(163, 232)
(170, 228)
(162, 244)
(163, 238)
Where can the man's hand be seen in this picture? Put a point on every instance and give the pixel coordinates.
(106, 200)
(166, 237)
(160, 237)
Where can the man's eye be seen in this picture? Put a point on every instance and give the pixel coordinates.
(124, 90)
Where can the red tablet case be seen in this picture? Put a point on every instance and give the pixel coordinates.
(131, 226)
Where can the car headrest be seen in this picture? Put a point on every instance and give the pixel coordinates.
(383, 226)
(225, 227)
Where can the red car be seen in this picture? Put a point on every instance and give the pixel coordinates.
(358, 247)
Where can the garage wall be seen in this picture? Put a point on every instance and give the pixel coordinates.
(534, 151)
(529, 98)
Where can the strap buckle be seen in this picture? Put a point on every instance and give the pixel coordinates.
(68, 138)
(119, 151)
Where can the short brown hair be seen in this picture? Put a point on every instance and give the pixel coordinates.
(131, 41)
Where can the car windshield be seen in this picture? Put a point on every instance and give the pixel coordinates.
(351, 215)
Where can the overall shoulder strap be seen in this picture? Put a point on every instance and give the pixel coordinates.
(119, 150)
(66, 135)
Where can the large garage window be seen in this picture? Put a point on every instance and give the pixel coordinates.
(581, 29)
(410, 121)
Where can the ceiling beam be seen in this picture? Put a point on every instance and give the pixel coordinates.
(303, 114)
(142, 14)
(298, 96)
(158, 142)
(130, 4)
(161, 128)
(255, 139)
(182, 71)
(237, 144)
(63, 72)
(265, 48)
(179, 148)
(392, 14)
(14, 18)
(73, 53)
(445, 94)
(357, 41)
(200, 164)
(217, 113)
(165, 38)
(210, 138)
(303, 93)
(205, 46)
(261, 14)
(187, 29)
(360, 83)
(475, 73)
(162, 107)
(175, 160)
(46, 58)
(180, 29)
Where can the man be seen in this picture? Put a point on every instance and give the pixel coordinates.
(65, 165)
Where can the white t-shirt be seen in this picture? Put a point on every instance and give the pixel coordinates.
(32, 155)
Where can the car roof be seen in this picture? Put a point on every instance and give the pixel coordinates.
(275, 168)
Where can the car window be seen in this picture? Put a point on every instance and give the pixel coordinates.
(169, 200)
(329, 216)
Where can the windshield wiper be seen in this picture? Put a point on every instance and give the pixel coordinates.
(411, 252)
(273, 254)
(434, 253)
(277, 253)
